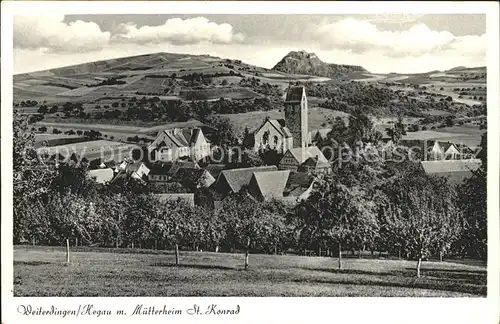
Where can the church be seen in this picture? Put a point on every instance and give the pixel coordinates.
(284, 134)
(290, 136)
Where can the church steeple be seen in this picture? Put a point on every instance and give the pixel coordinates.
(296, 115)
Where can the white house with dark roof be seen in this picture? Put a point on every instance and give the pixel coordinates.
(444, 151)
(173, 144)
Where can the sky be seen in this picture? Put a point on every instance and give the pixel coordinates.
(380, 43)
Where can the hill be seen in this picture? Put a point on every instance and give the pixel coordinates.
(161, 88)
(302, 62)
(167, 75)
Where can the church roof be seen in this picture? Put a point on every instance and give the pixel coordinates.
(294, 94)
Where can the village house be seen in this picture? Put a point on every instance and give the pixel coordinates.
(194, 177)
(181, 164)
(173, 144)
(444, 151)
(293, 158)
(231, 181)
(134, 170)
(158, 172)
(283, 185)
(315, 165)
(267, 185)
(137, 170)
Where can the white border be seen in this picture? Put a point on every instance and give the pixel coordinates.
(293, 310)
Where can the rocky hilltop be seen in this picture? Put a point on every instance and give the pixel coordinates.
(302, 62)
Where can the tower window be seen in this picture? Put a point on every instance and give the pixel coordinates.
(275, 140)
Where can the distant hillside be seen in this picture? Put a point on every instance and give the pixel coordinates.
(302, 62)
(468, 69)
(146, 62)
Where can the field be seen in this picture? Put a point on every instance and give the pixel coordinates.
(317, 118)
(466, 134)
(40, 271)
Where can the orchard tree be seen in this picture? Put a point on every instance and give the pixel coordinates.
(171, 223)
(417, 213)
(472, 200)
(112, 208)
(137, 218)
(214, 228)
(32, 178)
(249, 223)
(335, 212)
(72, 217)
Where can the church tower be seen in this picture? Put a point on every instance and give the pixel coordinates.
(296, 115)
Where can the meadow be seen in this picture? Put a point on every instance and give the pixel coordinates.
(317, 118)
(41, 271)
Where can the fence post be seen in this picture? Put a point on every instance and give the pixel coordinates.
(67, 250)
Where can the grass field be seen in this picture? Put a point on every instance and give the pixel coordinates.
(469, 135)
(40, 271)
(317, 118)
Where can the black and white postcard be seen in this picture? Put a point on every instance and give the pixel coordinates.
(222, 161)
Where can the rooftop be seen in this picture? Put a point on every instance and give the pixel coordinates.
(237, 178)
(271, 184)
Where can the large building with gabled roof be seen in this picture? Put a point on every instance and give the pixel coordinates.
(231, 181)
(173, 144)
(295, 157)
(267, 185)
